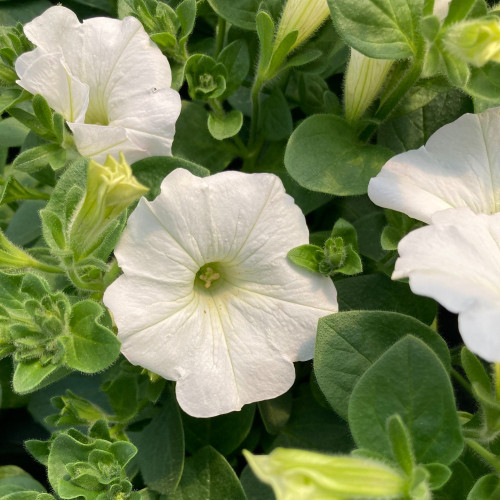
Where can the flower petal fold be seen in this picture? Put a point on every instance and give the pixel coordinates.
(458, 167)
(126, 77)
(456, 261)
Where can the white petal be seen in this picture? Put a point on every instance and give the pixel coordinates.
(458, 167)
(441, 8)
(231, 345)
(54, 30)
(456, 261)
(99, 141)
(48, 75)
(128, 81)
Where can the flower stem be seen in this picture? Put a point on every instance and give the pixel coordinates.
(257, 87)
(485, 454)
(389, 103)
(221, 36)
(497, 380)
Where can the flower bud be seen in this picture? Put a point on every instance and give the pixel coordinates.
(363, 81)
(305, 16)
(111, 188)
(475, 42)
(308, 475)
(441, 8)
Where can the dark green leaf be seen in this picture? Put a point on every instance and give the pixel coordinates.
(408, 380)
(349, 343)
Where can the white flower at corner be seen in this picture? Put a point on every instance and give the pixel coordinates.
(458, 167)
(107, 79)
(456, 261)
(208, 297)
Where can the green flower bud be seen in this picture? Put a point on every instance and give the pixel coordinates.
(308, 475)
(304, 16)
(364, 79)
(475, 42)
(111, 188)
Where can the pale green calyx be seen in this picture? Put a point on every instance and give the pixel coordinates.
(303, 16)
(307, 475)
(111, 188)
(475, 42)
(364, 79)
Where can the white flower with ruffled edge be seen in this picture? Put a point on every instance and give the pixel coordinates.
(107, 79)
(208, 297)
(458, 167)
(456, 261)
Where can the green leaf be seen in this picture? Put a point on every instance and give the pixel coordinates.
(253, 487)
(308, 256)
(35, 158)
(208, 476)
(10, 475)
(484, 82)
(194, 142)
(349, 343)
(487, 488)
(276, 412)
(161, 448)
(439, 475)
(42, 111)
(377, 292)
(401, 445)
(89, 346)
(151, 171)
(225, 432)
(9, 97)
(13, 11)
(276, 118)
(312, 426)
(241, 13)
(205, 76)
(33, 375)
(227, 126)
(383, 29)
(324, 154)
(12, 133)
(236, 60)
(475, 370)
(265, 32)
(409, 380)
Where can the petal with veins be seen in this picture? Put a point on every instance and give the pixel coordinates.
(456, 261)
(458, 167)
(234, 342)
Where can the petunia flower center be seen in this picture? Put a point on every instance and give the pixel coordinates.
(208, 276)
(96, 114)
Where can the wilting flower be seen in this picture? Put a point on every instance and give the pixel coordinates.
(305, 16)
(307, 475)
(458, 167)
(107, 79)
(208, 297)
(456, 261)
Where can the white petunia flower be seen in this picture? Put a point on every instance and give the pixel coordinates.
(107, 79)
(458, 167)
(208, 297)
(456, 261)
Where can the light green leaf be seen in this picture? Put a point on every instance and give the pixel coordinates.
(227, 126)
(383, 29)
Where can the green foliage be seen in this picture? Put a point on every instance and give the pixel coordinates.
(48, 336)
(350, 343)
(324, 154)
(90, 467)
(339, 254)
(387, 29)
(415, 385)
